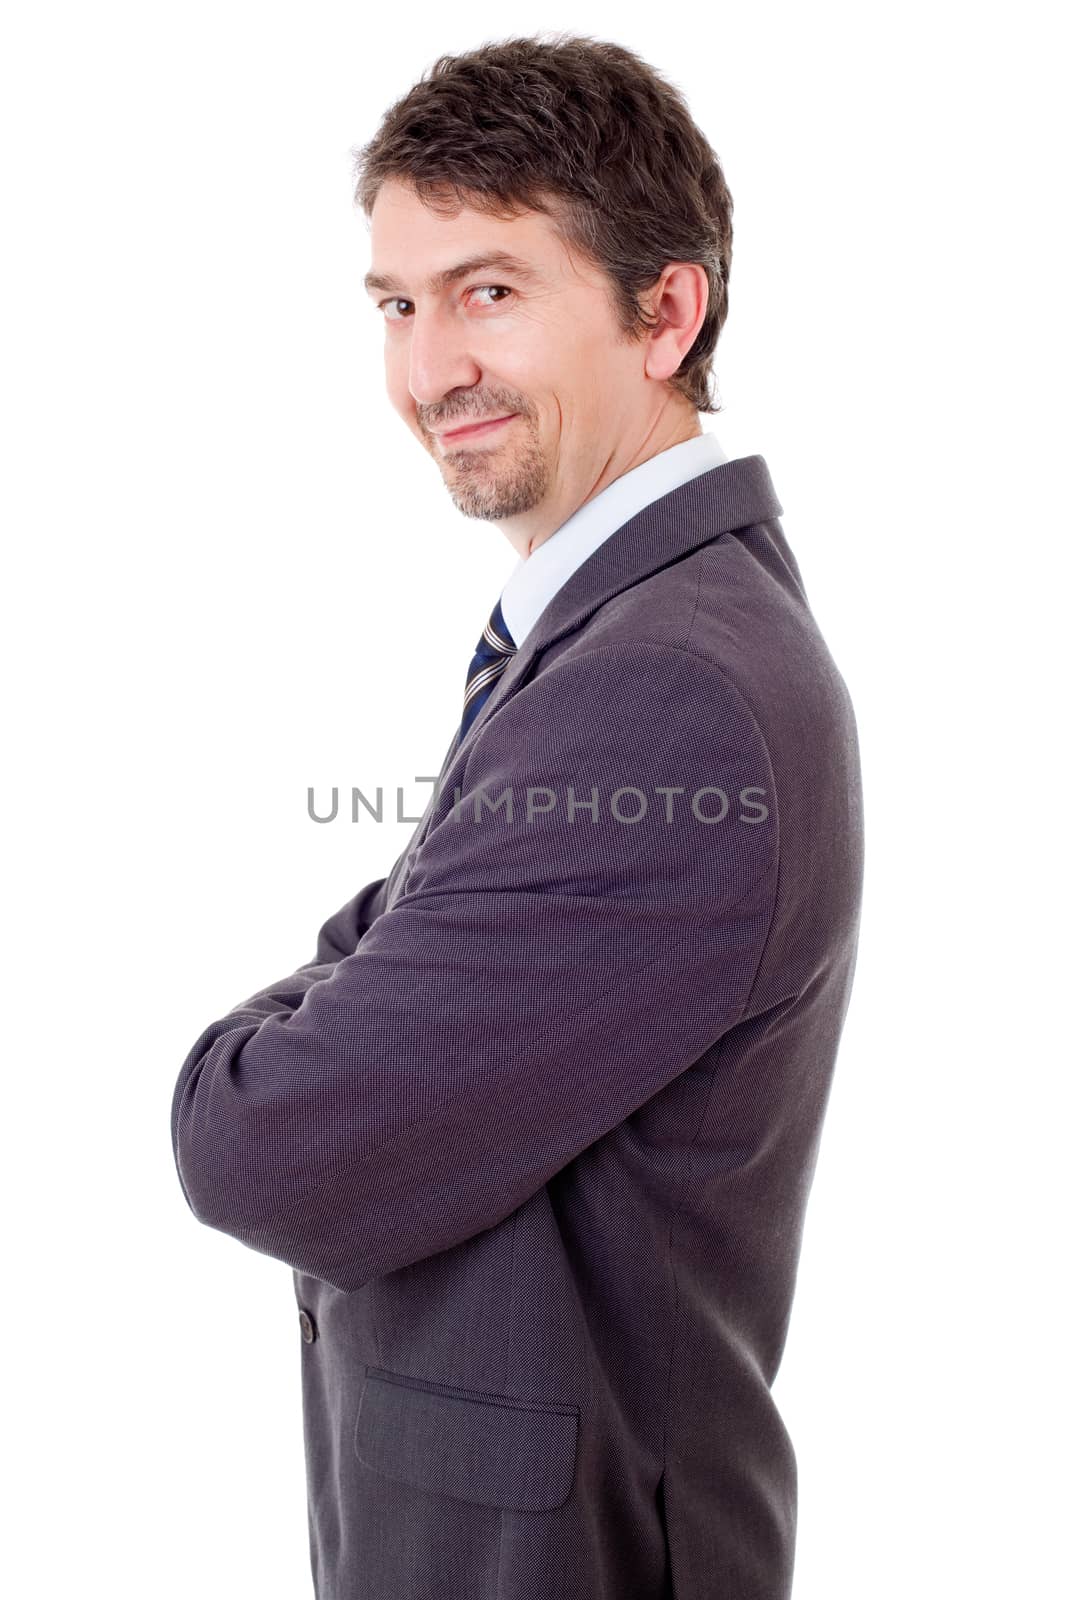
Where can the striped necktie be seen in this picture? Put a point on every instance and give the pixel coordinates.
(495, 649)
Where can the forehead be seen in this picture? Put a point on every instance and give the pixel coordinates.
(415, 247)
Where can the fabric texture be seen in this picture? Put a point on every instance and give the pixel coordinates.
(535, 1129)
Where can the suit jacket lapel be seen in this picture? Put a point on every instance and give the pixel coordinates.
(724, 498)
(718, 501)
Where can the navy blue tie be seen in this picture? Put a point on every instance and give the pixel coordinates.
(495, 649)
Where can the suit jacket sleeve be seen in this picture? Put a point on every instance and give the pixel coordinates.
(340, 934)
(535, 982)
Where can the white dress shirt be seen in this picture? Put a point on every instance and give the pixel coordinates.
(537, 577)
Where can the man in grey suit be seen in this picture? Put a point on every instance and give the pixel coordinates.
(536, 1128)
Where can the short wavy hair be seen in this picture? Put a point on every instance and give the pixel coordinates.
(588, 133)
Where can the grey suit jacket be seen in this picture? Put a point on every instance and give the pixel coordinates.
(536, 1128)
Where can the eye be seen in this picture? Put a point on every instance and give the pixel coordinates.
(487, 288)
(395, 300)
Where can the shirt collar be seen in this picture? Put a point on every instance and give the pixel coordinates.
(537, 577)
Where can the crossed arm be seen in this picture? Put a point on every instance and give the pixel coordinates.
(534, 983)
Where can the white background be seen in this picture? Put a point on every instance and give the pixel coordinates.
(211, 512)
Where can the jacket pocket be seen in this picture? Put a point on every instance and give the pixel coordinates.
(488, 1449)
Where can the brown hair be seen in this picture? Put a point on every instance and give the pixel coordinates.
(586, 132)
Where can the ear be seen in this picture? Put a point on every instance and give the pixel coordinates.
(679, 302)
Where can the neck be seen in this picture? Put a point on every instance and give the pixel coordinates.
(677, 422)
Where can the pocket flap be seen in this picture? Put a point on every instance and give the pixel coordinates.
(489, 1449)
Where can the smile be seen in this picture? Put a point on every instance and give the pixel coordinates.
(474, 430)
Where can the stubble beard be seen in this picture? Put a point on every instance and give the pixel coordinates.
(491, 484)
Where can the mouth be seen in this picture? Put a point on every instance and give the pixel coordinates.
(474, 430)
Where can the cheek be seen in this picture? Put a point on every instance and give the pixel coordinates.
(549, 359)
(396, 386)
(402, 403)
(516, 351)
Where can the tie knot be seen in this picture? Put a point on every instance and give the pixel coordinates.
(496, 639)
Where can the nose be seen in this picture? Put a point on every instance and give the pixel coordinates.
(438, 358)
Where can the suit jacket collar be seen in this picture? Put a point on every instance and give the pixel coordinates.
(725, 498)
(536, 578)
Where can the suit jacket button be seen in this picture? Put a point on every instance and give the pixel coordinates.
(307, 1327)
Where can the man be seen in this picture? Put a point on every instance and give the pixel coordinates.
(536, 1128)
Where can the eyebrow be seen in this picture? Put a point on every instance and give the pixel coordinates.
(496, 260)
